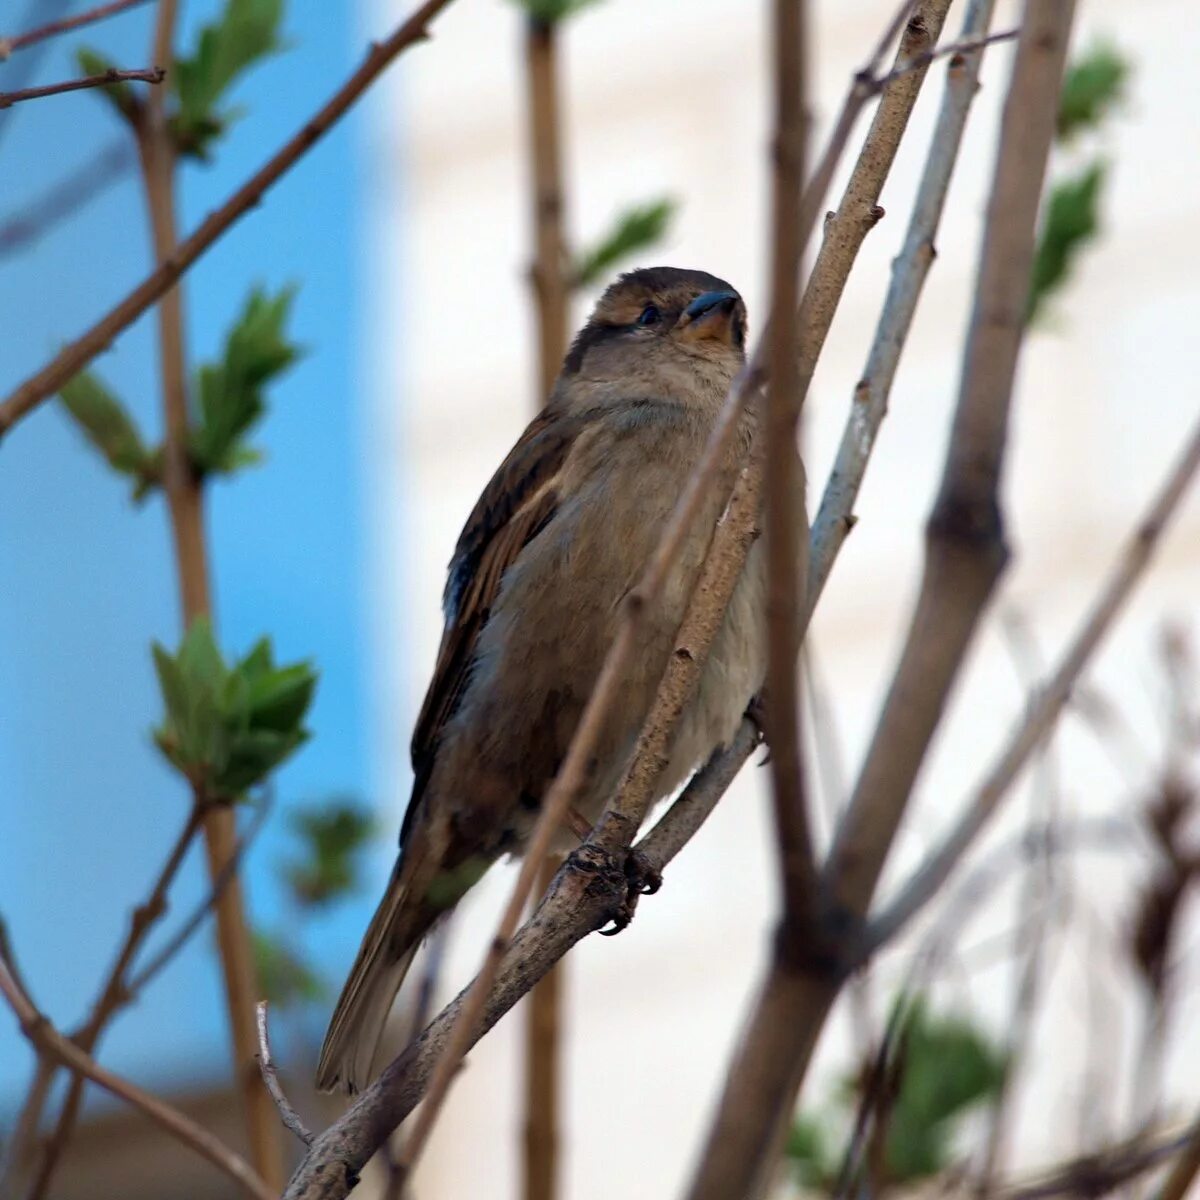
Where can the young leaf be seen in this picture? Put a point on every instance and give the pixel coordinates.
(1092, 86)
(120, 95)
(104, 421)
(246, 31)
(635, 230)
(1070, 221)
(231, 392)
(332, 834)
(808, 1152)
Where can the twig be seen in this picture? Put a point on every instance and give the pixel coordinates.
(266, 1064)
(114, 994)
(66, 25)
(47, 1040)
(77, 354)
(1101, 1173)
(112, 75)
(217, 886)
(1184, 1171)
(786, 535)
(964, 46)
(551, 293)
(64, 198)
(591, 885)
(1051, 698)
(911, 267)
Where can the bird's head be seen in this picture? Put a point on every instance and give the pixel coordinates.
(661, 329)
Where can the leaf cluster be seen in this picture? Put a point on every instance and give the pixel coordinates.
(228, 726)
(634, 230)
(332, 835)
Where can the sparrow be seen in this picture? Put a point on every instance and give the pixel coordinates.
(532, 604)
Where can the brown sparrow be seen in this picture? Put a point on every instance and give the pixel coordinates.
(560, 535)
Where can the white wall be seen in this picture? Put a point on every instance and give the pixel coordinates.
(671, 98)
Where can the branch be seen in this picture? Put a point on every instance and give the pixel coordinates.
(76, 355)
(868, 406)
(1187, 1165)
(48, 1041)
(53, 28)
(1050, 700)
(114, 994)
(266, 1064)
(112, 75)
(586, 892)
(965, 551)
(784, 478)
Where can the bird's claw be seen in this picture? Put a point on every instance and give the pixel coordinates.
(756, 714)
(642, 879)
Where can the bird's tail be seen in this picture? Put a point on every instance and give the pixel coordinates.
(383, 960)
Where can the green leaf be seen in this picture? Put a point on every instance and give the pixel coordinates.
(120, 95)
(550, 11)
(106, 423)
(1092, 87)
(228, 729)
(949, 1068)
(285, 978)
(332, 834)
(635, 230)
(246, 31)
(1069, 222)
(808, 1151)
(231, 392)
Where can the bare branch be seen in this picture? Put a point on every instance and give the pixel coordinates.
(112, 75)
(1051, 698)
(66, 25)
(965, 550)
(1184, 1171)
(47, 1040)
(786, 541)
(266, 1064)
(869, 404)
(77, 354)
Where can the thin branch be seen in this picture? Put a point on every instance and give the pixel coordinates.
(964, 46)
(47, 1040)
(786, 534)
(66, 25)
(77, 354)
(909, 270)
(112, 75)
(1184, 1171)
(588, 890)
(114, 994)
(1051, 698)
(266, 1064)
(64, 198)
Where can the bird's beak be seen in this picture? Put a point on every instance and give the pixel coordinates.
(710, 315)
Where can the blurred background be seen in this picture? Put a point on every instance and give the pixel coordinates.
(407, 232)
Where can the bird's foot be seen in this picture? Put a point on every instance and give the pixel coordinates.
(642, 879)
(756, 713)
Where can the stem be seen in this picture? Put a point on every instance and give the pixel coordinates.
(66, 25)
(112, 75)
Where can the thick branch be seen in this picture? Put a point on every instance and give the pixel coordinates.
(48, 1041)
(965, 551)
(77, 354)
(112, 75)
(1048, 703)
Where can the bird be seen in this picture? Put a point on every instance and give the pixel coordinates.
(532, 601)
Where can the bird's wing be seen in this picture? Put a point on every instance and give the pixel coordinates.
(515, 506)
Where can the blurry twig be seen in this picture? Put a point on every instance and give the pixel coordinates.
(48, 1041)
(111, 76)
(287, 1114)
(9, 45)
(77, 354)
(65, 197)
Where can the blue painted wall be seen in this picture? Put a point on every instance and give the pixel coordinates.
(86, 807)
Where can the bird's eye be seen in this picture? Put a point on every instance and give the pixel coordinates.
(649, 316)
